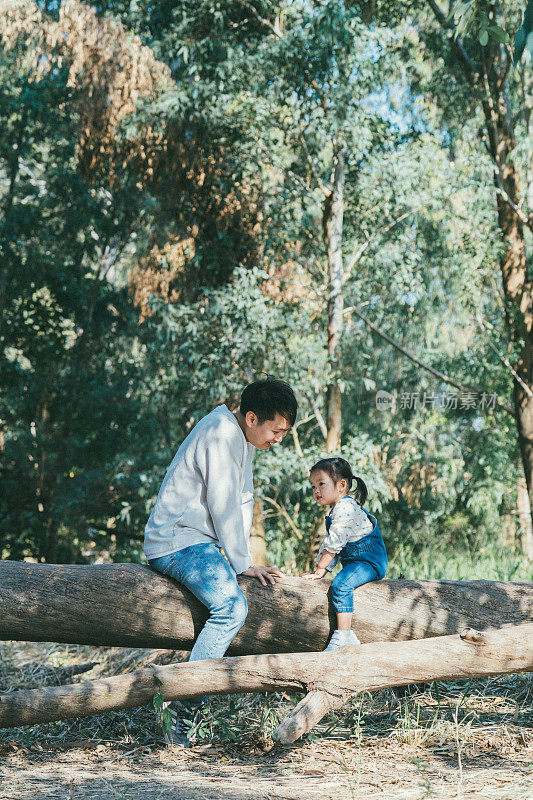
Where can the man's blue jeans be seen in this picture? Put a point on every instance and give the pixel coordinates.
(204, 571)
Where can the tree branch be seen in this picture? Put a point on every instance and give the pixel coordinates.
(425, 366)
(526, 220)
(319, 278)
(285, 514)
(296, 440)
(318, 416)
(506, 69)
(469, 68)
(505, 360)
(357, 254)
(265, 22)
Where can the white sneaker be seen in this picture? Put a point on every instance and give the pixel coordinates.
(341, 639)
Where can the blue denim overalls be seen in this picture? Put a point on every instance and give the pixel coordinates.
(370, 548)
(362, 561)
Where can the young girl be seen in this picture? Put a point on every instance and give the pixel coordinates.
(352, 536)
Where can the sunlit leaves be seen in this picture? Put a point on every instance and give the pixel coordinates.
(524, 35)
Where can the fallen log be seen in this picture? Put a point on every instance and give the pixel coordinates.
(330, 678)
(495, 652)
(129, 605)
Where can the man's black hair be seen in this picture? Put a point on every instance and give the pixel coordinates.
(267, 398)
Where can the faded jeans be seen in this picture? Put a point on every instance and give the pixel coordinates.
(352, 575)
(204, 571)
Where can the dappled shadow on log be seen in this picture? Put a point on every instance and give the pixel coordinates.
(380, 731)
(330, 678)
(419, 609)
(131, 605)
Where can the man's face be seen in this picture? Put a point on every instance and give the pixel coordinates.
(267, 433)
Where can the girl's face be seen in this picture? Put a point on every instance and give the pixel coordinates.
(325, 491)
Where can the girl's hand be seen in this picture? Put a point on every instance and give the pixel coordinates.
(314, 576)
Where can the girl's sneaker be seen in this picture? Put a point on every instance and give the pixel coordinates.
(341, 639)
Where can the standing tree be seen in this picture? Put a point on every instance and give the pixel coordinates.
(315, 72)
(479, 65)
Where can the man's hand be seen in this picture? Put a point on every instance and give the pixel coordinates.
(270, 573)
(316, 575)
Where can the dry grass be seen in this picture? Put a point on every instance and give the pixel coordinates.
(458, 739)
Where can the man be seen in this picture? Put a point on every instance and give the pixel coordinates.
(205, 504)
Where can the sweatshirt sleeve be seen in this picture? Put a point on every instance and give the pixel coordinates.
(222, 472)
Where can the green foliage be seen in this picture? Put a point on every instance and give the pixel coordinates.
(95, 404)
(479, 17)
(66, 364)
(524, 35)
(282, 478)
(164, 714)
(473, 14)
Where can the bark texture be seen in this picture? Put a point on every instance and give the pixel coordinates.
(469, 655)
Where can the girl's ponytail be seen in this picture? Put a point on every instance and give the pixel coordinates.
(360, 492)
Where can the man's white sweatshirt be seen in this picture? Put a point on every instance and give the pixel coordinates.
(207, 493)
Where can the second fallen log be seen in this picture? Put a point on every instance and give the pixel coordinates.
(330, 678)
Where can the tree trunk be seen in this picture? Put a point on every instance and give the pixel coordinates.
(490, 82)
(9, 259)
(527, 100)
(51, 541)
(524, 418)
(334, 413)
(333, 224)
(130, 605)
(318, 531)
(519, 300)
(257, 535)
(517, 288)
(524, 515)
(330, 678)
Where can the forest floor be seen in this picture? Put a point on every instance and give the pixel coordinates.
(460, 739)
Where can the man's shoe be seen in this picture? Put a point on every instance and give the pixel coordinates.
(341, 639)
(182, 721)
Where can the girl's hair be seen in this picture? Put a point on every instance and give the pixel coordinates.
(338, 469)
